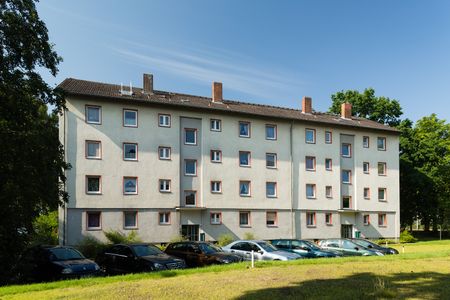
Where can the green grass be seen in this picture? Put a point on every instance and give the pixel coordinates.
(423, 271)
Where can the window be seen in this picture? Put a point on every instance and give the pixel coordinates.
(130, 186)
(329, 191)
(271, 218)
(93, 114)
(328, 164)
(93, 220)
(130, 118)
(93, 149)
(381, 143)
(244, 129)
(216, 218)
(382, 168)
(382, 221)
(164, 185)
(244, 158)
(164, 218)
(130, 151)
(190, 167)
(311, 219)
(366, 193)
(216, 125)
(310, 136)
(164, 120)
(190, 136)
(366, 167)
(93, 184)
(130, 219)
(365, 141)
(346, 150)
(216, 187)
(366, 219)
(328, 137)
(271, 132)
(310, 163)
(329, 218)
(346, 176)
(244, 218)
(216, 156)
(271, 189)
(244, 188)
(164, 153)
(381, 194)
(190, 198)
(346, 202)
(310, 191)
(271, 160)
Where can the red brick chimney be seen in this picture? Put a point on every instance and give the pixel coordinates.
(148, 83)
(217, 92)
(307, 105)
(346, 110)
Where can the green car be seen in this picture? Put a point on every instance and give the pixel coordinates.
(347, 248)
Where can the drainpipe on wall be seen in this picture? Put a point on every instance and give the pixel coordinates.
(293, 234)
(64, 238)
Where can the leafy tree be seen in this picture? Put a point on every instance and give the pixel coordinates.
(45, 229)
(31, 159)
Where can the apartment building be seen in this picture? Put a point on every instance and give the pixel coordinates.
(165, 164)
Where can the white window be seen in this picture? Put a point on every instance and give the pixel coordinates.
(164, 153)
(130, 118)
(164, 185)
(216, 156)
(381, 143)
(93, 114)
(346, 150)
(271, 189)
(271, 218)
(310, 191)
(130, 151)
(329, 218)
(329, 191)
(93, 220)
(346, 202)
(216, 186)
(311, 219)
(271, 132)
(190, 136)
(346, 176)
(328, 137)
(190, 198)
(244, 158)
(310, 136)
(130, 186)
(164, 120)
(271, 160)
(216, 125)
(310, 163)
(382, 221)
(366, 193)
(366, 219)
(244, 129)
(216, 218)
(164, 218)
(190, 167)
(366, 167)
(382, 194)
(328, 164)
(244, 218)
(382, 168)
(94, 149)
(130, 219)
(93, 184)
(244, 188)
(366, 141)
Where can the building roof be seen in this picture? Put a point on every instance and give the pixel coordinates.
(77, 87)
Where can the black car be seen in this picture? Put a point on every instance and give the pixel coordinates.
(46, 263)
(303, 248)
(198, 254)
(134, 258)
(372, 246)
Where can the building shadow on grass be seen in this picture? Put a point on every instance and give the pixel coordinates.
(425, 285)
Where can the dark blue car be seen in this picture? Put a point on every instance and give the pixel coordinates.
(304, 248)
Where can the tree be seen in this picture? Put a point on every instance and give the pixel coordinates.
(366, 105)
(31, 159)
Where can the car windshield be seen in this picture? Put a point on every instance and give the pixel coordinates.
(312, 245)
(363, 243)
(145, 250)
(267, 247)
(209, 249)
(59, 254)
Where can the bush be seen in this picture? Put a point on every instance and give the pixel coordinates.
(178, 238)
(45, 229)
(384, 241)
(407, 237)
(118, 237)
(249, 236)
(225, 239)
(90, 246)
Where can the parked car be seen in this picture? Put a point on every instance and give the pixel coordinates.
(262, 251)
(46, 263)
(372, 246)
(347, 247)
(303, 248)
(135, 258)
(198, 254)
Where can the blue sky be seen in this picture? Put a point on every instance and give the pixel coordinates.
(271, 52)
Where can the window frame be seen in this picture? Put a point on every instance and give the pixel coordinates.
(331, 164)
(384, 193)
(123, 117)
(195, 136)
(164, 214)
(195, 198)
(123, 185)
(91, 212)
(275, 130)
(313, 158)
(212, 156)
(87, 106)
(275, 195)
(349, 151)
(330, 187)
(249, 158)
(219, 222)
(349, 202)
(368, 220)
(213, 182)
(384, 143)
(275, 160)
(366, 197)
(217, 121)
(306, 135)
(314, 196)
(169, 181)
(99, 143)
(331, 137)
(349, 177)
(196, 166)
(366, 163)
(249, 218)
(384, 173)
(169, 117)
(330, 221)
(159, 152)
(249, 129)
(313, 219)
(368, 141)
(123, 151)
(384, 217)
(99, 185)
(136, 219)
(249, 188)
(275, 224)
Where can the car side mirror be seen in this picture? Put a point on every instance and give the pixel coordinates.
(260, 252)
(356, 248)
(370, 246)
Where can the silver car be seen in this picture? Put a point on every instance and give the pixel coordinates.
(262, 251)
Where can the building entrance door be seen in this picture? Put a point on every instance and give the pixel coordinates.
(346, 231)
(191, 232)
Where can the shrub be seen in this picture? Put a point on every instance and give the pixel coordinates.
(118, 237)
(178, 238)
(45, 229)
(225, 239)
(384, 241)
(249, 236)
(90, 246)
(407, 237)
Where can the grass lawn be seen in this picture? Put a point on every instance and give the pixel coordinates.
(422, 272)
